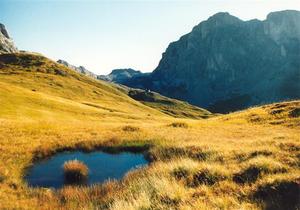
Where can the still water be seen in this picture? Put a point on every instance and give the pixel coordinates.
(102, 166)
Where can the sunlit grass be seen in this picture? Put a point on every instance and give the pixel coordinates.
(196, 164)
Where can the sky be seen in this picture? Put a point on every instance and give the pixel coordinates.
(105, 35)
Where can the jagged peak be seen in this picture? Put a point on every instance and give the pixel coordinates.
(216, 20)
(129, 70)
(223, 18)
(283, 13)
(4, 31)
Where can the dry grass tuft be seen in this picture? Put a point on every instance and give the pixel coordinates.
(256, 168)
(179, 125)
(206, 177)
(129, 128)
(75, 172)
(295, 113)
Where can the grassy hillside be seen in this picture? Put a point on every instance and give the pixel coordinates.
(172, 107)
(44, 88)
(244, 160)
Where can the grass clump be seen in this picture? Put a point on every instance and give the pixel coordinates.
(206, 177)
(75, 172)
(256, 168)
(179, 125)
(181, 173)
(248, 175)
(295, 113)
(2, 177)
(196, 174)
(280, 194)
(129, 128)
(196, 153)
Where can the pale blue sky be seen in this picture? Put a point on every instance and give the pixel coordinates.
(103, 35)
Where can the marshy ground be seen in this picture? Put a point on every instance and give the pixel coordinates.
(244, 160)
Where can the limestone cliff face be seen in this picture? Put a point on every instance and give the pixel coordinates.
(227, 64)
(6, 43)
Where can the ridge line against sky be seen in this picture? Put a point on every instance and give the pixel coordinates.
(105, 35)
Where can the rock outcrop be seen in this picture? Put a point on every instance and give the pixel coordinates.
(226, 64)
(79, 69)
(120, 75)
(6, 43)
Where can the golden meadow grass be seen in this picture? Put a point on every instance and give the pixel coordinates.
(243, 160)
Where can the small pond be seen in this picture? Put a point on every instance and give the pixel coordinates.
(102, 166)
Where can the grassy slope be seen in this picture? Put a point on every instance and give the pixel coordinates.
(172, 107)
(199, 165)
(44, 88)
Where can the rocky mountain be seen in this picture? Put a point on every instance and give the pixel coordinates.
(121, 75)
(6, 43)
(79, 69)
(225, 64)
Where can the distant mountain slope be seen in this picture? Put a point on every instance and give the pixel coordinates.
(79, 69)
(226, 64)
(33, 86)
(6, 43)
(120, 75)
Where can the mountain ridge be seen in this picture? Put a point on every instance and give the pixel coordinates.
(226, 64)
(6, 43)
(120, 75)
(79, 69)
